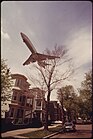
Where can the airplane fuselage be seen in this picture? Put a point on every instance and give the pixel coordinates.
(28, 43)
(35, 57)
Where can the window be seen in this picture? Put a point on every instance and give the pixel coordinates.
(14, 97)
(28, 102)
(20, 98)
(44, 105)
(31, 101)
(38, 95)
(18, 82)
(28, 113)
(23, 101)
(38, 103)
(11, 112)
(19, 113)
(38, 115)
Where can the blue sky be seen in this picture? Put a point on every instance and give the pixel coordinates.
(46, 23)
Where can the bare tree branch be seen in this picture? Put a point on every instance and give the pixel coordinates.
(42, 73)
(53, 74)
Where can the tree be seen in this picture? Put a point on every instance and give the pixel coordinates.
(53, 75)
(68, 99)
(6, 83)
(85, 95)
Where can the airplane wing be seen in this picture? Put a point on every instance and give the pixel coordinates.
(44, 57)
(28, 43)
(29, 60)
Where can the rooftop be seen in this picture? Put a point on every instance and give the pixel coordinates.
(14, 76)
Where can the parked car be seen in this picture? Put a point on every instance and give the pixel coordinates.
(69, 126)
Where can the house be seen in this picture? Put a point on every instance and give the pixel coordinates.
(55, 113)
(39, 103)
(26, 103)
(20, 109)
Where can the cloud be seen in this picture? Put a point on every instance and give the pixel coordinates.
(80, 47)
(4, 35)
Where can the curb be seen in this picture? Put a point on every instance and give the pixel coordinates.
(16, 137)
(52, 134)
(19, 137)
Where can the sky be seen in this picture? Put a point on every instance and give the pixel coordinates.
(46, 23)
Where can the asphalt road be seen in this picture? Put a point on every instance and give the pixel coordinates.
(82, 131)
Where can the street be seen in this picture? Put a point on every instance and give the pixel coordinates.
(82, 131)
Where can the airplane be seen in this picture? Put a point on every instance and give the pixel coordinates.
(35, 56)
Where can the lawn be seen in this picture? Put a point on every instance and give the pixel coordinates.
(42, 133)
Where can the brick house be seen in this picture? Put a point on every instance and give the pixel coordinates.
(20, 109)
(39, 103)
(25, 103)
(55, 112)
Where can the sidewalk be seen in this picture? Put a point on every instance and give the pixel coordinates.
(15, 133)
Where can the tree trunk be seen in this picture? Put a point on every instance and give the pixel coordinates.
(63, 118)
(47, 111)
(46, 118)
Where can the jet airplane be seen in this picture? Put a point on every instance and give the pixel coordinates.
(35, 56)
